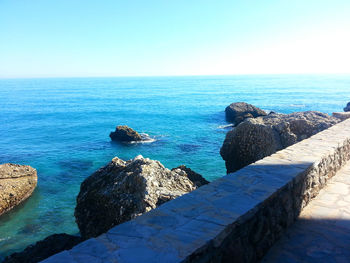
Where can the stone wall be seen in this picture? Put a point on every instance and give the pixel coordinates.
(236, 218)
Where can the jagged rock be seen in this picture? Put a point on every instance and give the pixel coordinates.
(17, 182)
(44, 248)
(257, 138)
(341, 115)
(239, 111)
(196, 178)
(124, 133)
(347, 108)
(123, 190)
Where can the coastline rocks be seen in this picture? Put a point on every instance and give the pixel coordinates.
(17, 183)
(44, 248)
(257, 138)
(124, 133)
(239, 111)
(347, 108)
(196, 178)
(123, 190)
(341, 115)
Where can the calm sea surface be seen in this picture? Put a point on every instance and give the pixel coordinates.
(61, 127)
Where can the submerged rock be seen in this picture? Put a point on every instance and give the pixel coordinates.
(17, 183)
(43, 249)
(347, 108)
(123, 190)
(196, 178)
(124, 133)
(239, 111)
(257, 138)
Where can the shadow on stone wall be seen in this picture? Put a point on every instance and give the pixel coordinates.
(284, 190)
(313, 240)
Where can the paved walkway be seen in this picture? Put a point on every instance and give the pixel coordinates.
(322, 232)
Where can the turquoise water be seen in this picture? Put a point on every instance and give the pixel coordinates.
(61, 127)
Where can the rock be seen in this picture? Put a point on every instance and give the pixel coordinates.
(43, 249)
(17, 183)
(347, 108)
(196, 178)
(341, 115)
(123, 190)
(239, 111)
(125, 134)
(257, 138)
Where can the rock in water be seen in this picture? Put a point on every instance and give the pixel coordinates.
(347, 108)
(196, 178)
(43, 249)
(239, 111)
(124, 133)
(123, 190)
(17, 183)
(257, 138)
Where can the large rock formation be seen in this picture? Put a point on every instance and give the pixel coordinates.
(124, 133)
(123, 190)
(257, 138)
(43, 249)
(17, 182)
(239, 111)
(196, 178)
(347, 108)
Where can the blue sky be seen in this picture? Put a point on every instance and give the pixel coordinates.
(53, 38)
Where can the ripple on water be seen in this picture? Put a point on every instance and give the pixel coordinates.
(189, 148)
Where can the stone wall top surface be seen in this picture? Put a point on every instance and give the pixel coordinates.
(178, 228)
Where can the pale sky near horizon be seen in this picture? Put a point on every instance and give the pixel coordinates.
(68, 38)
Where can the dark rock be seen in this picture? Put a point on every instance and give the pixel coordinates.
(196, 178)
(124, 133)
(43, 249)
(17, 183)
(347, 108)
(123, 190)
(239, 111)
(257, 138)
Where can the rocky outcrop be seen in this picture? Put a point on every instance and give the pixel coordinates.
(124, 133)
(239, 111)
(341, 115)
(347, 108)
(123, 190)
(196, 178)
(17, 182)
(257, 138)
(43, 249)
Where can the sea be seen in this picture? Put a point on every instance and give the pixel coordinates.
(61, 126)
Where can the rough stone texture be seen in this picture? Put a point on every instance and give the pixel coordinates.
(43, 249)
(341, 115)
(347, 108)
(123, 190)
(125, 134)
(17, 182)
(196, 178)
(322, 232)
(236, 218)
(239, 111)
(257, 138)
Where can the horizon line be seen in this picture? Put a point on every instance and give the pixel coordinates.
(167, 76)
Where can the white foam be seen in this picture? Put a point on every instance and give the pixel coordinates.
(145, 139)
(226, 126)
(297, 105)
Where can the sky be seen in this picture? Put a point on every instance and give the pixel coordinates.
(89, 38)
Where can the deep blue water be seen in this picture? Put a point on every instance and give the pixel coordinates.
(61, 127)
